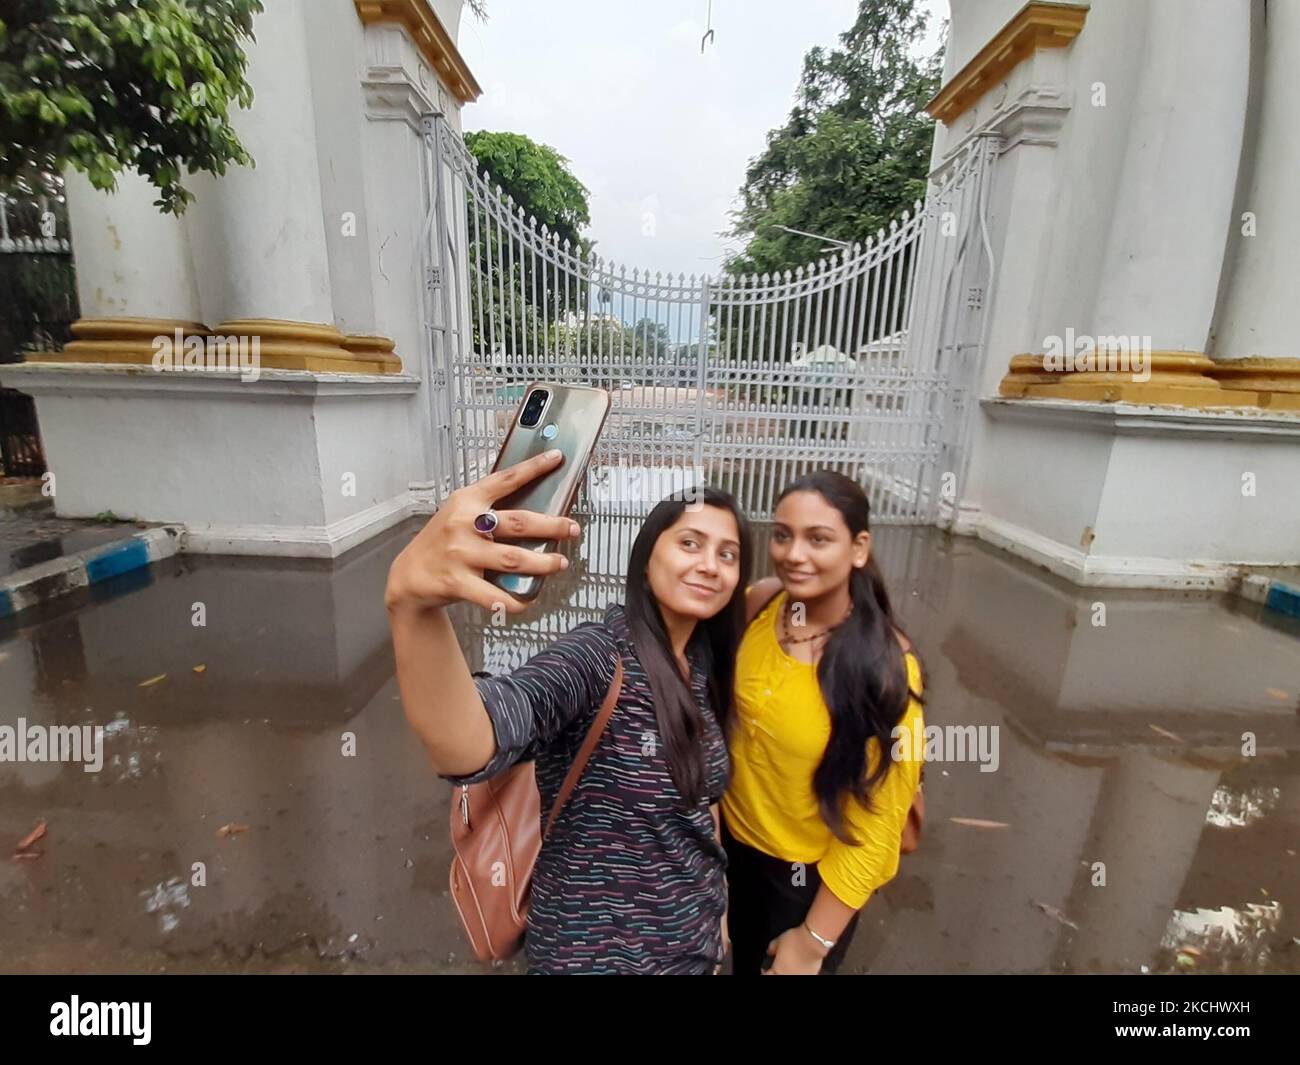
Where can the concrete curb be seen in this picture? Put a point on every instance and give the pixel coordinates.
(49, 580)
(1282, 596)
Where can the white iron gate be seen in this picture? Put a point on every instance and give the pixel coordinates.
(861, 362)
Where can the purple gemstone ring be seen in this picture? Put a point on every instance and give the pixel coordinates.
(486, 522)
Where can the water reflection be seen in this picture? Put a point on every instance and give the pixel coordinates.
(1222, 940)
(1237, 809)
(1139, 842)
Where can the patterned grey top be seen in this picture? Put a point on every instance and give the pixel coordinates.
(631, 880)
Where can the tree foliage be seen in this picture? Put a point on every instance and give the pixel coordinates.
(103, 85)
(855, 150)
(518, 300)
(537, 178)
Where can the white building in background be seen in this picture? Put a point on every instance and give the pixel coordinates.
(823, 355)
(572, 320)
(317, 253)
(1145, 189)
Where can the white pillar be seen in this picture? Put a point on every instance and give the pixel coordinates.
(1164, 251)
(1259, 316)
(259, 230)
(132, 259)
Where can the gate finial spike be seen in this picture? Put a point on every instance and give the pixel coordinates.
(893, 224)
(916, 205)
(798, 270)
(880, 233)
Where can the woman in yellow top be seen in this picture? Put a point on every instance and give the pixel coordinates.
(813, 817)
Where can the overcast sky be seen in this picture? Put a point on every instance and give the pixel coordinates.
(660, 134)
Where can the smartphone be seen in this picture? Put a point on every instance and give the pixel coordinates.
(569, 417)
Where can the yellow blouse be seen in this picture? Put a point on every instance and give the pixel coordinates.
(780, 734)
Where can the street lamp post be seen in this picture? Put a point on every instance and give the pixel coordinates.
(814, 236)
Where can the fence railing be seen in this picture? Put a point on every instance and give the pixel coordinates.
(748, 381)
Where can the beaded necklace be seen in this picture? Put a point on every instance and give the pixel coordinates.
(785, 621)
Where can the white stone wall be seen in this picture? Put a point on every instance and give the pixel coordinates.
(1121, 218)
(327, 228)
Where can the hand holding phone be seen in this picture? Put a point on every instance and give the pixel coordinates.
(447, 560)
(567, 417)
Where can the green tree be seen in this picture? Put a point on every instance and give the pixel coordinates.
(537, 178)
(855, 150)
(518, 300)
(103, 85)
(652, 339)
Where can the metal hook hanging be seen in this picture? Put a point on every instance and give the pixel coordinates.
(708, 29)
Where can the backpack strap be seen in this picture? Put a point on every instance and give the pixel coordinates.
(588, 745)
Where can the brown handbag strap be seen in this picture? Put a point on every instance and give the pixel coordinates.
(588, 745)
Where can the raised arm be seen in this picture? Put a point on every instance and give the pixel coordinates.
(442, 565)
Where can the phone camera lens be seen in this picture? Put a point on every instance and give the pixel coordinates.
(532, 412)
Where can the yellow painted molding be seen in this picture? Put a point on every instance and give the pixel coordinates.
(1178, 379)
(374, 346)
(314, 346)
(1275, 381)
(1039, 24)
(123, 341)
(281, 345)
(430, 36)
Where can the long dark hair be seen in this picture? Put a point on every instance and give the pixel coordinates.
(862, 673)
(716, 639)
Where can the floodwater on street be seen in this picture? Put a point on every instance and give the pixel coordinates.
(1123, 829)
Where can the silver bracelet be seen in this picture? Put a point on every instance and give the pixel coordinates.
(827, 943)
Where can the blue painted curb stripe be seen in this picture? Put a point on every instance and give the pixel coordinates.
(1284, 599)
(6, 604)
(119, 560)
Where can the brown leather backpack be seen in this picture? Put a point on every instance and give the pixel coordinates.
(496, 834)
(916, 815)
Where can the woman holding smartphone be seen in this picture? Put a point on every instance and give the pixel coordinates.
(814, 814)
(631, 878)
